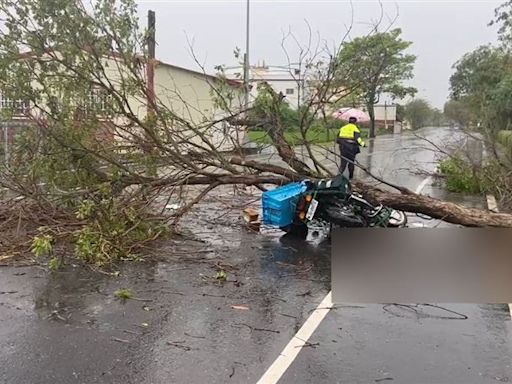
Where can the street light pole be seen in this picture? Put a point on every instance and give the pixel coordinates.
(246, 59)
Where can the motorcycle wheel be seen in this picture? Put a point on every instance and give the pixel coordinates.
(296, 230)
(398, 219)
(344, 218)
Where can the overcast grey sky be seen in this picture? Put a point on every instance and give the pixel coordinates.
(442, 31)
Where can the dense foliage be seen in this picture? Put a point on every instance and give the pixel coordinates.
(377, 64)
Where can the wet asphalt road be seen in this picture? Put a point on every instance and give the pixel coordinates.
(67, 327)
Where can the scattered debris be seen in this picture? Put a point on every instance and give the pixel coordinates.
(123, 294)
(195, 337)
(221, 275)
(240, 307)
(56, 316)
(258, 329)
(251, 217)
(254, 226)
(120, 340)
(285, 315)
(143, 300)
(384, 379)
(131, 332)
(6, 257)
(207, 294)
(172, 292)
(278, 299)
(308, 344)
(178, 344)
(419, 311)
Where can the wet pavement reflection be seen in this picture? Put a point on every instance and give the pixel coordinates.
(186, 326)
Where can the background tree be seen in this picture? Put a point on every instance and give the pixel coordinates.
(262, 105)
(457, 112)
(377, 64)
(438, 118)
(418, 113)
(481, 94)
(477, 73)
(503, 17)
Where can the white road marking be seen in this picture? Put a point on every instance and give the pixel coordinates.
(299, 340)
(423, 184)
(290, 352)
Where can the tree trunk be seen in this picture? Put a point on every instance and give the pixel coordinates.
(437, 209)
(371, 113)
(406, 200)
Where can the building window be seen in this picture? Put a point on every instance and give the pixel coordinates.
(17, 107)
(100, 102)
(290, 91)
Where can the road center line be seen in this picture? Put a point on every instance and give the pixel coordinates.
(290, 352)
(299, 340)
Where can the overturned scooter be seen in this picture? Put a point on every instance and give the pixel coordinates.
(331, 201)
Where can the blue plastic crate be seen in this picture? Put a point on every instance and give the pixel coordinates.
(279, 204)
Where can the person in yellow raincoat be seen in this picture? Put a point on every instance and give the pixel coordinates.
(349, 140)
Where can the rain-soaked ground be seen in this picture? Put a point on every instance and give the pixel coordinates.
(185, 326)
(67, 327)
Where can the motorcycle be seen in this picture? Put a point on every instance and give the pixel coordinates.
(333, 202)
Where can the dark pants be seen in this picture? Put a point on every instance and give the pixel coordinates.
(348, 153)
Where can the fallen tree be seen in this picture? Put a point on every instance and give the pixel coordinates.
(93, 169)
(406, 200)
(437, 209)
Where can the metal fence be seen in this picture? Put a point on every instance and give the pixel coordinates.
(9, 130)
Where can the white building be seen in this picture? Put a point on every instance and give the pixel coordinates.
(385, 114)
(282, 79)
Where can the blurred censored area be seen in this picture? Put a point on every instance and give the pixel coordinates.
(410, 265)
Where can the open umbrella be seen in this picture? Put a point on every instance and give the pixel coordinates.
(346, 113)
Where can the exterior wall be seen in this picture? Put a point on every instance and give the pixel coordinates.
(188, 94)
(289, 88)
(185, 92)
(385, 112)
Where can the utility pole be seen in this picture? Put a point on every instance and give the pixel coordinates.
(245, 139)
(385, 115)
(246, 59)
(6, 143)
(150, 65)
(300, 87)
